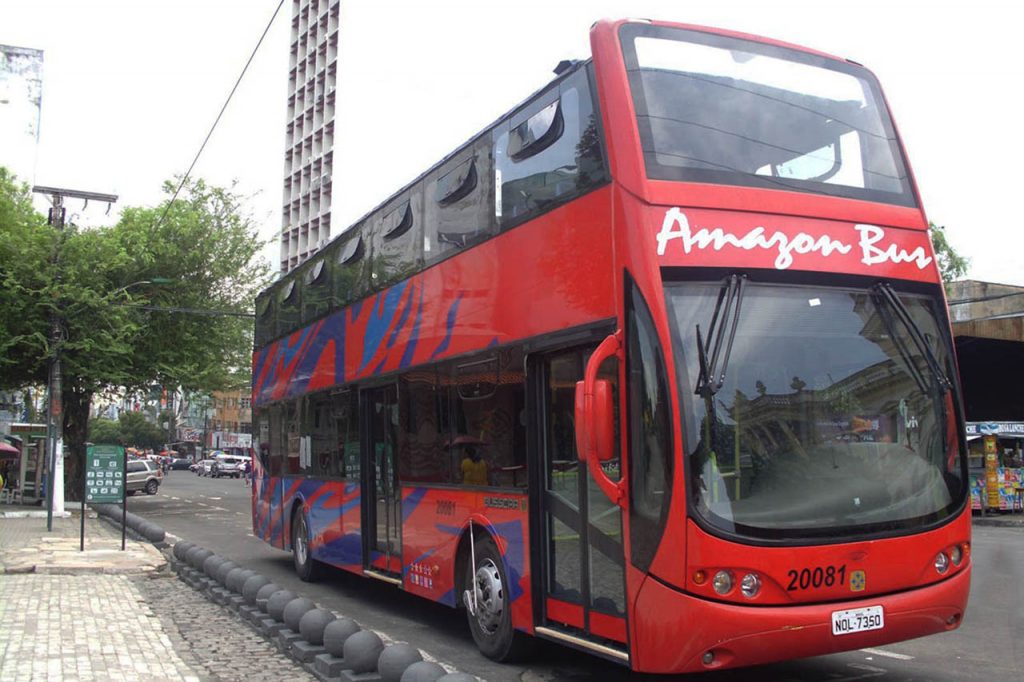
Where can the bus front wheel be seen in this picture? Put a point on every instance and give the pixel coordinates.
(488, 608)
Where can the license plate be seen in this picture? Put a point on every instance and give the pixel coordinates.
(857, 620)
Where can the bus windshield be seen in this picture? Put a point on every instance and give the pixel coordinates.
(723, 110)
(832, 417)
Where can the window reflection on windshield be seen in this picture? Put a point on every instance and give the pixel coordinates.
(725, 110)
(821, 423)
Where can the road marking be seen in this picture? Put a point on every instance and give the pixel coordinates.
(888, 654)
(868, 671)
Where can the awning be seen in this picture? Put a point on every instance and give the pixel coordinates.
(9, 451)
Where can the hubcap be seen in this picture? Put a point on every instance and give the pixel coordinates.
(490, 596)
(300, 541)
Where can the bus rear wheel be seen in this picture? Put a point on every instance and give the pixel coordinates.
(307, 568)
(488, 607)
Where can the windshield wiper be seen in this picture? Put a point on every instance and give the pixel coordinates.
(885, 295)
(721, 332)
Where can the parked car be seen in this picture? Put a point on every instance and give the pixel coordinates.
(144, 475)
(228, 465)
(180, 464)
(205, 467)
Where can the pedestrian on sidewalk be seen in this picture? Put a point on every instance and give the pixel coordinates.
(247, 468)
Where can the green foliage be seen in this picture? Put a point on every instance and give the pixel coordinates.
(104, 431)
(952, 265)
(139, 432)
(26, 285)
(96, 280)
(131, 429)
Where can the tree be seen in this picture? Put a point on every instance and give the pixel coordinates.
(104, 431)
(136, 430)
(119, 329)
(130, 429)
(952, 265)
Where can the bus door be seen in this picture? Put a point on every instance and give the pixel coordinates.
(381, 496)
(584, 591)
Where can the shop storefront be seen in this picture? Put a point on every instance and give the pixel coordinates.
(25, 473)
(996, 451)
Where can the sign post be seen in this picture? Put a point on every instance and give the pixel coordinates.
(105, 467)
(991, 472)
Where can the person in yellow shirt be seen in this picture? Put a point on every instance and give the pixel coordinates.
(474, 468)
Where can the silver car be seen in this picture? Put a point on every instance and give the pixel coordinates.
(144, 475)
(228, 465)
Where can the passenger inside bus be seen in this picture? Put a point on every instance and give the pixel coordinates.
(474, 468)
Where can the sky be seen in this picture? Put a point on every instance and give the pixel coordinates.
(131, 87)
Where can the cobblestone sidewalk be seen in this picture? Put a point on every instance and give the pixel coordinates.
(82, 627)
(86, 616)
(212, 640)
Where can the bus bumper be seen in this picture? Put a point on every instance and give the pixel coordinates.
(713, 635)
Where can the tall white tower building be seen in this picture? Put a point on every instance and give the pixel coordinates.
(309, 136)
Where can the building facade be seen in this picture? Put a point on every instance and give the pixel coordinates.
(309, 135)
(21, 96)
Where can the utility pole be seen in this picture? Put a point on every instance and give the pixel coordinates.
(55, 406)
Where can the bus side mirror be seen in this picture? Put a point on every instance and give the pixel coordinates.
(580, 421)
(602, 425)
(595, 427)
(595, 420)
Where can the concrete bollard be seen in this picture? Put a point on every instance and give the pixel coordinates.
(212, 564)
(295, 610)
(424, 671)
(180, 548)
(252, 586)
(362, 650)
(198, 555)
(240, 578)
(220, 574)
(394, 660)
(231, 577)
(337, 633)
(313, 623)
(277, 602)
(264, 595)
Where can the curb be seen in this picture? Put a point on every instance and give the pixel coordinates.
(1015, 521)
(332, 648)
(329, 647)
(145, 530)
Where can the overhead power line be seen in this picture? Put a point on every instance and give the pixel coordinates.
(185, 177)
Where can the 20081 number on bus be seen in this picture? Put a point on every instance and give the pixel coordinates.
(816, 577)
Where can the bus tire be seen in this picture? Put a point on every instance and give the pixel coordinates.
(306, 567)
(491, 626)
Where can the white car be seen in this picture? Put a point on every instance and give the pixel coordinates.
(205, 467)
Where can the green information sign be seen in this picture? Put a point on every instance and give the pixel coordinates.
(104, 473)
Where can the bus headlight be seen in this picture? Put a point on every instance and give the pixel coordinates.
(941, 562)
(750, 585)
(722, 582)
(956, 555)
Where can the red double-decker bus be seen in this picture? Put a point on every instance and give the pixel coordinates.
(658, 366)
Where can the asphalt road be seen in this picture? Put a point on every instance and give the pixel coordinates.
(988, 647)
